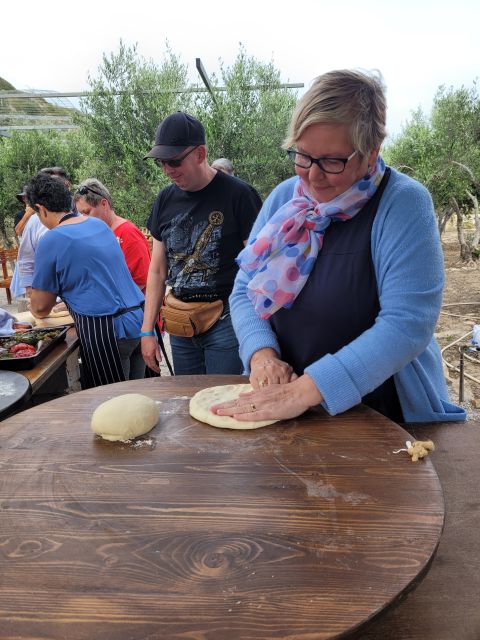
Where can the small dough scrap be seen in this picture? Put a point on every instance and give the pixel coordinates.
(419, 449)
(125, 417)
(201, 402)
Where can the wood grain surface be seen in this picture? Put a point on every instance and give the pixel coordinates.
(305, 529)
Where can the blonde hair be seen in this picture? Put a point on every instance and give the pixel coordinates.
(352, 97)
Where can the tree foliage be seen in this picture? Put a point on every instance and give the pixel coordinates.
(25, 153)
(248, 125)
(443, 152)
(128, 97)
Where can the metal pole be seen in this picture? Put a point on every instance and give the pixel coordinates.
(460, 386)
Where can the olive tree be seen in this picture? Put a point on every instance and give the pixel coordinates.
(26, 152)
(247, 122)
(443, 152)
(129, 96)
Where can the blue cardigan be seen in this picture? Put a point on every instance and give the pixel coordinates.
(408, 262)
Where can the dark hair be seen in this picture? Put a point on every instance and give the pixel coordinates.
(57, 172)
(50, 192)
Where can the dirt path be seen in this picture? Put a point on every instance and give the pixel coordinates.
(460, 311)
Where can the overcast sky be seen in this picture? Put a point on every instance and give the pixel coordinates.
(416, 44)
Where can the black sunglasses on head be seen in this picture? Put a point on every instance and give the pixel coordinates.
(83, 190)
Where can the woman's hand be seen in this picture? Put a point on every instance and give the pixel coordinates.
(276, 402)
(267, 368)
(151, 352)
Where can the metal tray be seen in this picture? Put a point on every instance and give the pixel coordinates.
(20, 364)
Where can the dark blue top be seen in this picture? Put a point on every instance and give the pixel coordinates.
(338, 302)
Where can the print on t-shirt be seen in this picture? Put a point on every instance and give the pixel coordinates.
(202, 233)
(193, 250)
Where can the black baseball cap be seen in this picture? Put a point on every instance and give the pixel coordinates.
(175, 134)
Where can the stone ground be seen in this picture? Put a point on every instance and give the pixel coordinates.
(460, 311)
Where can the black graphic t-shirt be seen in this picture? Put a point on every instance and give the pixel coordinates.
(203, 232)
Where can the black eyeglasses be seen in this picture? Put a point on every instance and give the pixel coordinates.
(328, 165)
(83, 190)
(174, 164)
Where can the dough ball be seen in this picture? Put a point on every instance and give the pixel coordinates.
(125, 417)
(201, 402)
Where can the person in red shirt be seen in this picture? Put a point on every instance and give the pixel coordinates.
(92, 198)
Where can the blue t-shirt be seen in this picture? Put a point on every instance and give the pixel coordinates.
(84, 265)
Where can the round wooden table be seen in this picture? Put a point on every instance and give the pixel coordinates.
(305, 529)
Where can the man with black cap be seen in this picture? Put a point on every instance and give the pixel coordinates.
(199, 225)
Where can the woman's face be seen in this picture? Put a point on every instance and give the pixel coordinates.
(332, 141)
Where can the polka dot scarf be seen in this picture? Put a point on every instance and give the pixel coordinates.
(281, 257)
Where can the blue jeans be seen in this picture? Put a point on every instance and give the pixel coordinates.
(133, 364)
(212, 352)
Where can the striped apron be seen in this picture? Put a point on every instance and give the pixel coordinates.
(101, 363)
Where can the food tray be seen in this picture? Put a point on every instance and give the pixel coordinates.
(28, 362)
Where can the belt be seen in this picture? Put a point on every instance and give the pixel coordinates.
(120, 312)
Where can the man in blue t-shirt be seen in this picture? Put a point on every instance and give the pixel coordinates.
(199, 225)
(32, 230)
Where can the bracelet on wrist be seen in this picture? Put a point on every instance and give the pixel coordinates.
(146, 333)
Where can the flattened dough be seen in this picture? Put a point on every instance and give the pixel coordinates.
(50, 321)
(125, 417)
(58, 314)
(201, 402)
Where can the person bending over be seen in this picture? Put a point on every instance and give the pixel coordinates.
(79, 259)
(340, 284)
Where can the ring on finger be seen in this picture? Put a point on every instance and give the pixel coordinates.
(253, 407)
(264, 382)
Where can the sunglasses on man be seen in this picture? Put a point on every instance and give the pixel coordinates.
(83, 191)
(174, 164)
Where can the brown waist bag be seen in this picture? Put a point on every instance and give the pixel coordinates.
(189, 319)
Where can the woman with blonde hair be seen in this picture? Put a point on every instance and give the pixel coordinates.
(340, 284)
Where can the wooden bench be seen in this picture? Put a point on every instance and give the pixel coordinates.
(8, 258)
